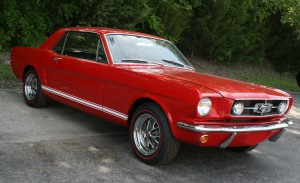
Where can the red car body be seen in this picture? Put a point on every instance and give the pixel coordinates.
(113, 92)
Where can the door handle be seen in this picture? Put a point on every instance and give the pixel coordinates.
(56, 59)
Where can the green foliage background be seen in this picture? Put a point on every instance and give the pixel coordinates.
(227, 31)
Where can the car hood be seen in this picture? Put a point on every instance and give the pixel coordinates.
(228, 88)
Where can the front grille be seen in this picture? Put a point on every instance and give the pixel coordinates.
(258, 107)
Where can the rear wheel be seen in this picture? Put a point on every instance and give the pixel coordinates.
(242, 149)
(151, 137)
(32, 90)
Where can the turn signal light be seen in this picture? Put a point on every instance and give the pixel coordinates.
(203, 139)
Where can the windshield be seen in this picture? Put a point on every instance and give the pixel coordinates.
(137, 49)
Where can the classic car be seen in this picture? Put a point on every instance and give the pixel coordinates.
(145, 83)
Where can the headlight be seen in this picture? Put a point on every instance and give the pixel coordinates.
(204, 106)
(238, 108)
(282, 107)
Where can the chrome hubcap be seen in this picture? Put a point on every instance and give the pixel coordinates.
(146, 134)
(30, 88)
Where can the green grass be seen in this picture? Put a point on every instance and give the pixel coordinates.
(273, 80)
(6, 73)
(263, 75)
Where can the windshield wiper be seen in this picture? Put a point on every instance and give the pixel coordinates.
(173, 62)
(140, 61)
(156, 63)
(176, 63)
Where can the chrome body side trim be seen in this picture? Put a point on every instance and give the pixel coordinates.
(86, 103)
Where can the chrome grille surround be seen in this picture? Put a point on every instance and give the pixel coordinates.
(259, 107)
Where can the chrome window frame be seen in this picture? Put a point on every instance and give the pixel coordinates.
(65, 35)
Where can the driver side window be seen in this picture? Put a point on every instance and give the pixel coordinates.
(83, 45)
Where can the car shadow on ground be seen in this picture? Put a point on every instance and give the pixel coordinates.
(83, 119)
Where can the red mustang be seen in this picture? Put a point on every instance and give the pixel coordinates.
(144, 82)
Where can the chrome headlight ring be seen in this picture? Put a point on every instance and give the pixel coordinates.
(283, 107)
(204, 106)
(238, 108)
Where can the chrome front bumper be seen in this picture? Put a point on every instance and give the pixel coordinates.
(282, 124)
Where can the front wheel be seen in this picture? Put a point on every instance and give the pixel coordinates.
(151, 137)
(242, 149)
(32, 90)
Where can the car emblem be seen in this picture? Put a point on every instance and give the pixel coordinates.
(262, 108)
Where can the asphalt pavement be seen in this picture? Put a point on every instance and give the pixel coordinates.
(61, 144)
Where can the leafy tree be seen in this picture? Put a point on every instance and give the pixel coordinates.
(231, 31)
(226, 31)
(284, 53)
(21, 23)
(169, 18)
(123, 14)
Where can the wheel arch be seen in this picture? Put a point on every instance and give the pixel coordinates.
(39, 72)
(168, 146)
(26, 69)
(147, 99)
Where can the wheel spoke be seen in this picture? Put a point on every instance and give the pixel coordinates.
(154, 136)
(147, 142)
(151, 143)
(30, 88)
(146, 134)
(148, 125)
(156, 141)
(156, 128)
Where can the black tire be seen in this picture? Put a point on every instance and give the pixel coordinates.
(31, 82)
(242, 149)
(167, 146)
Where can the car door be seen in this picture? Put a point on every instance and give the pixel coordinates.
(80, 66)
